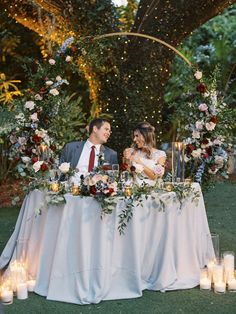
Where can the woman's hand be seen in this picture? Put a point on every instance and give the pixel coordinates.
(127, 153)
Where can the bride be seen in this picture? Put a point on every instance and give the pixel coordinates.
(148, 161)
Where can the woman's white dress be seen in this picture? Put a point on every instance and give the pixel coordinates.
(151, 163)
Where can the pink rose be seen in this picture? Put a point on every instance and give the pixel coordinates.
(203, 107)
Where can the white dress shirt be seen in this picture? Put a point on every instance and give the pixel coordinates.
(82, 166)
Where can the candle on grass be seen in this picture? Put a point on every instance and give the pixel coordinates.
(31, 285)
(6, 296)
(219, 287)
(22, 291)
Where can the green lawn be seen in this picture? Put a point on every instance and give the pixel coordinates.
(221, 210)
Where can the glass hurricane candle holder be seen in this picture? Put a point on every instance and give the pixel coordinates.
(75, 190)
(55, 186)
(228, 258)
(177, 162)
(168, 186)
(6, 291)
(205, 282)
(128, 191)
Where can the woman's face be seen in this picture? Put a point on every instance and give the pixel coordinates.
(138, 139)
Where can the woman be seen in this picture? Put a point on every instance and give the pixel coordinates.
(143, 155)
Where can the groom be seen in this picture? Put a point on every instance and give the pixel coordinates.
(83, 155)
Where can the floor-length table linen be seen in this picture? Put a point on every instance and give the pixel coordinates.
(80, 258)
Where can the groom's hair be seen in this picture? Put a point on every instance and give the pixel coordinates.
(98, 122)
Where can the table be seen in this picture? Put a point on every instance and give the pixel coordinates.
(77, 257)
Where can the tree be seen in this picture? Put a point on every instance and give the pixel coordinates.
(139, 69)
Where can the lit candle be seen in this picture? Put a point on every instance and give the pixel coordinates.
(31, 285)
(210, 267)
(55, 186)
(205, 284)
(220, 287)
(232, 285)
(75, 190)
(7, 296)
(128, 191)
(218, 273)
(229, 260)
(168, 186)
(22, 291)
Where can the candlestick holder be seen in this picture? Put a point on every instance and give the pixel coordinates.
(177, 162)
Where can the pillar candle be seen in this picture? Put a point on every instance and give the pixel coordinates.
(232, 284)
(220, 287)
(31, 285)
(7, 296)
(205, 284)
(22, 291)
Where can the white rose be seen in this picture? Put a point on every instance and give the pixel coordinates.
(198, 75)
(34, 117)
(203, 107)
(219, 161)
(64, 167)
(69, 59)
(51, 61)
(20, 117)
(25, 159)
(29, 105)
(217, 142)
(38, 97)
(210, 126)
(58, 78)
(42, 133)
(49, 83)
(54, 92)
(196, 153)
(199, 125)
(195, 134)
(37, 165)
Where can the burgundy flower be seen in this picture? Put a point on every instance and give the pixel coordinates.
(132, 168)
(73, 48)
(37, 139)
(106, 167)
(205, 141)
(201, 88)
(189, 148)
(209, 151)
(44, 167)
(93, 190)
(124, 166)
(28, 151)
(214, 119)
(34, 159)
(42, 90)
(205, 156)
(53, 147)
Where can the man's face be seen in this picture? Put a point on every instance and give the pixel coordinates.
(103, 133)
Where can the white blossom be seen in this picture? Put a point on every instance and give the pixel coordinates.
(37, 165)
(25, 159)
(29, 105)
(51, 61)
(38, 97)
(195, 134)
(196, 153)
(34, 117)
(210, 126)
(54, 92)
(49, 83)
(64, 167)
(68, 58)
(198, 75)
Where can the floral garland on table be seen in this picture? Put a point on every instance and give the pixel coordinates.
(206, 148)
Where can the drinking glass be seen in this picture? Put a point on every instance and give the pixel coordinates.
(115, 168)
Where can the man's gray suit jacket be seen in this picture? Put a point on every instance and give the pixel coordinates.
(72, 152)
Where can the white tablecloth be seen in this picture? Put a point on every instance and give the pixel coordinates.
(77, 257)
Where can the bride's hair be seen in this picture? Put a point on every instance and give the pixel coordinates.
(148, 133)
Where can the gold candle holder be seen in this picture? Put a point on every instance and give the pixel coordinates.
(75, 190)
(55, 186)
(188, 181)
(128, 191)
(168, 186)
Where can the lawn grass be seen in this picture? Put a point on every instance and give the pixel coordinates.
(221, 211)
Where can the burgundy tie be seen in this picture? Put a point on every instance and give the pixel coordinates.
(91, 159)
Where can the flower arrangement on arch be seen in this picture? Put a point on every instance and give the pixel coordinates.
(206, 145)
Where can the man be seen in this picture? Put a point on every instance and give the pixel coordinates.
(83, 155)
